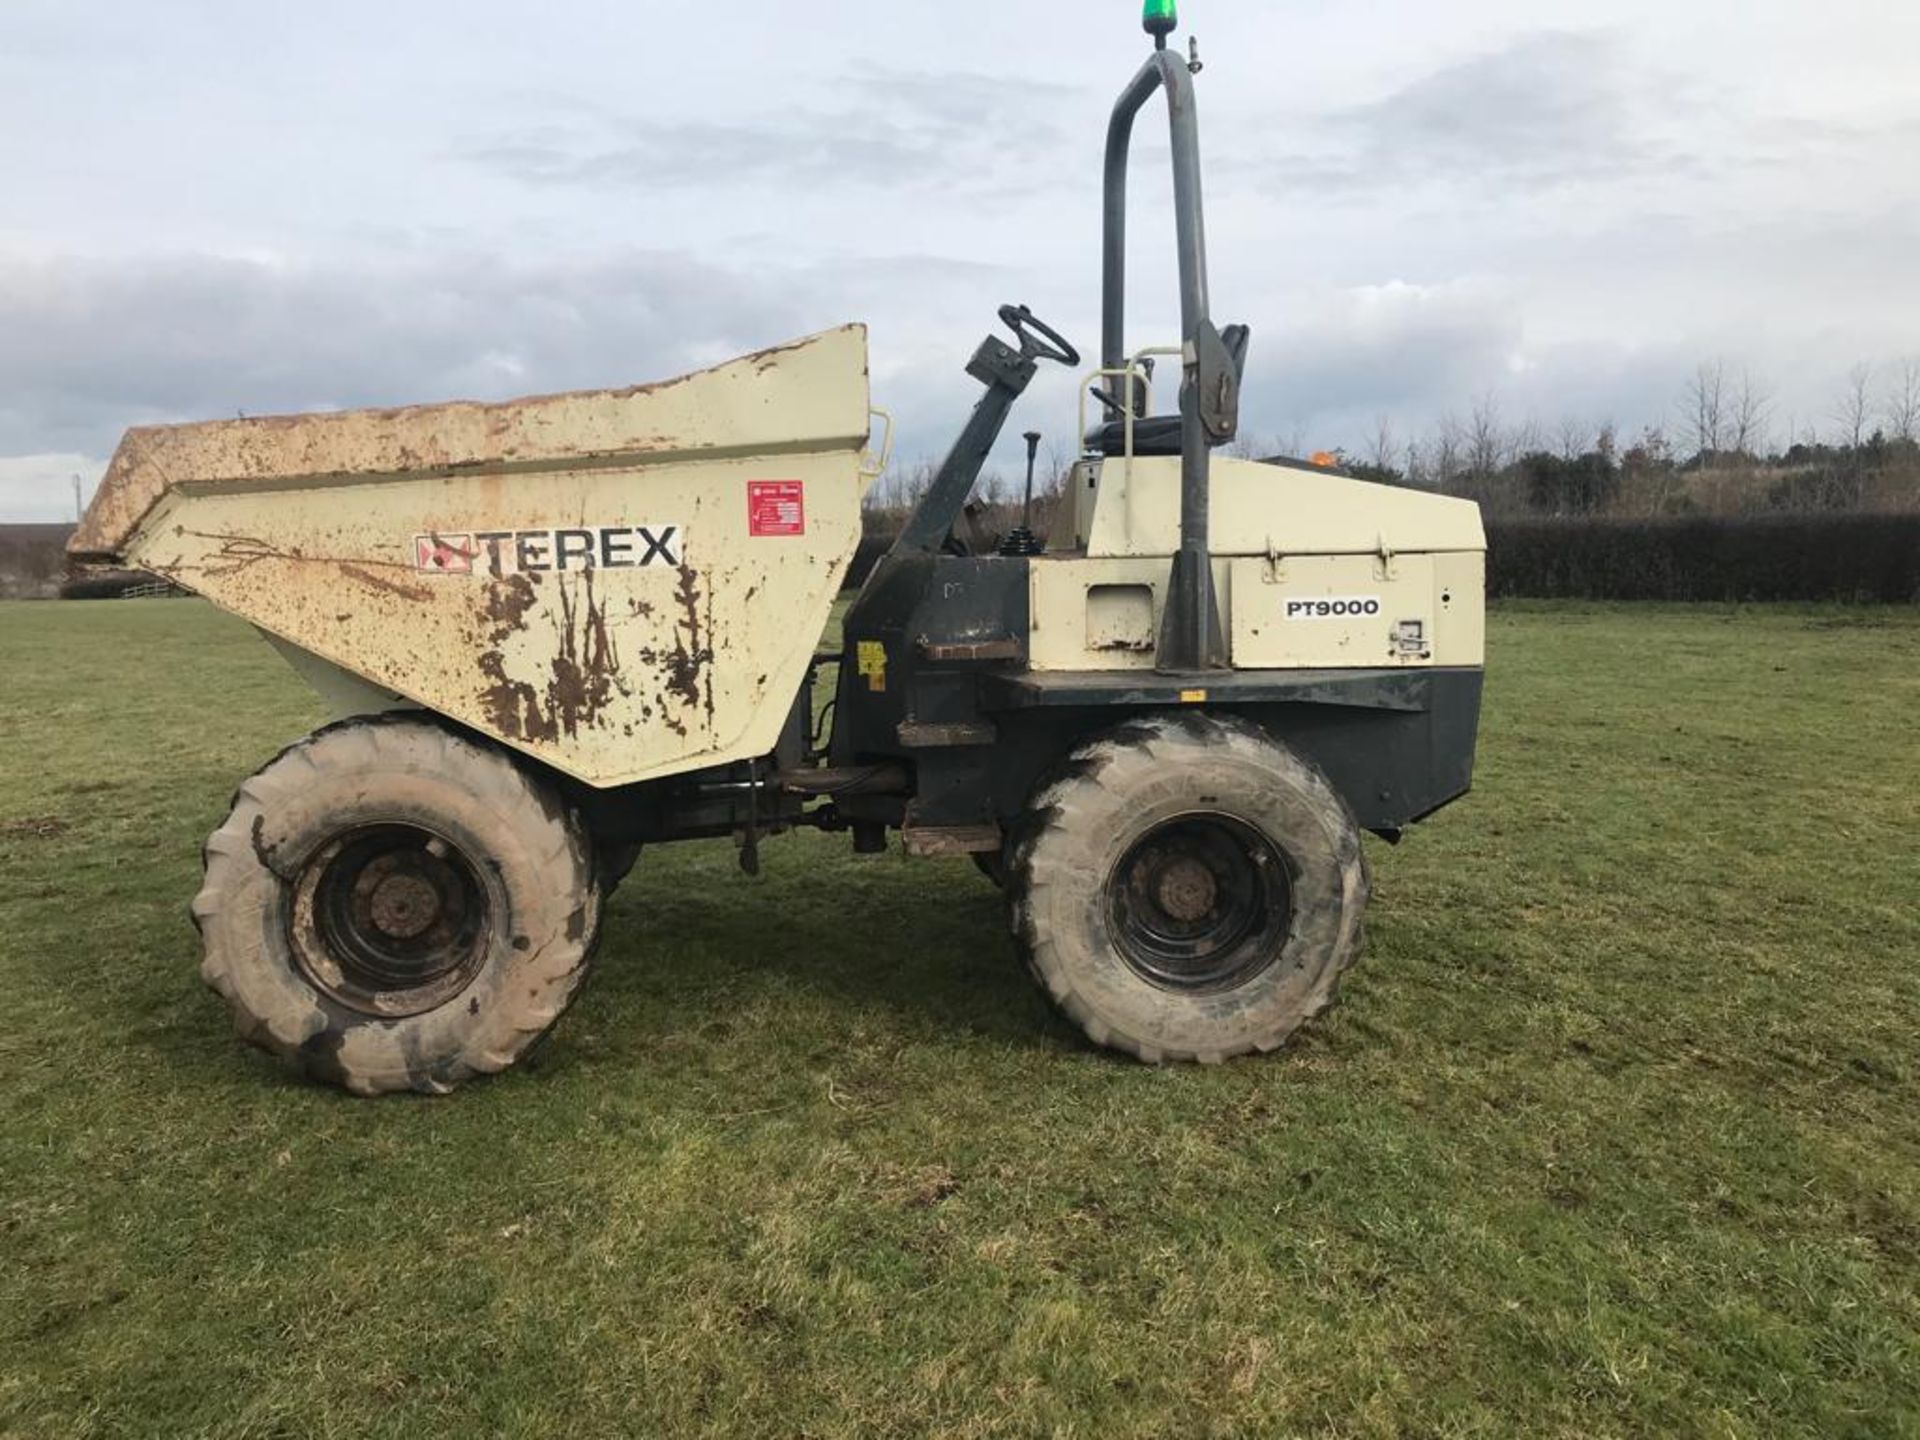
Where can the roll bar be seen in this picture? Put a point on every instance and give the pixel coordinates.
(1166, 70)
(1191, 640)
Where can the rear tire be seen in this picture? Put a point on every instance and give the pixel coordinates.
(1188, 889)
(391, 907)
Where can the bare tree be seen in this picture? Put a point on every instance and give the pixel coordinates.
(1416, 466)
(1433, 461)
(1384, 445)
(1649, 481)
(1706, 407)
(1251, 445)
(1855, 409)
(1752, 404)
(1056, 469)
(1574, 437)
(1486, 442)
(1902, 408)
(901, 487)
(1450, 450)
(1413, 465)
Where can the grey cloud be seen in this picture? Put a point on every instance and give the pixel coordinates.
(95, 345)
(1546, 109)
(818, 149)
(25, 38)
(1542, 104)
(1395, 349)
(1553, 111)
(903, 129)
(999, 105)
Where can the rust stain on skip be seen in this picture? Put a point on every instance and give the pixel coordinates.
(586, 676)
(707, 678)
(586, 671)
(512, 706)
(583, 676)
(688, 668)
(508, 602)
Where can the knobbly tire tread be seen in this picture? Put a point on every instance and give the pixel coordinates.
(543, 946)
(1061, 836)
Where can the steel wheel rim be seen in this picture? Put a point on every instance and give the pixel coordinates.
(1200, 904)
(391, 920)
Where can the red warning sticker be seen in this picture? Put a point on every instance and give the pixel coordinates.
(776, 507)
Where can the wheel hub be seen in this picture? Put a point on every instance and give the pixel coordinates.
(1186, 890)
(402, 907)
(1202, 903)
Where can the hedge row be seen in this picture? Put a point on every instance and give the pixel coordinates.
(1870, 558)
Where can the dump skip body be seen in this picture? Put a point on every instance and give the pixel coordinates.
(626, 584)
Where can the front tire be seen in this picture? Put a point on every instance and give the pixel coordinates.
(1189, 889)
(392, 907)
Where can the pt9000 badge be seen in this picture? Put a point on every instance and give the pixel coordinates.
(524, 552)
(1352, 607)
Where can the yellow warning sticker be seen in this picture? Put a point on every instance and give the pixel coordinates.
(1193, 697)
(873, 665)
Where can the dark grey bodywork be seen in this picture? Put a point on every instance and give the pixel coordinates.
(977, 730)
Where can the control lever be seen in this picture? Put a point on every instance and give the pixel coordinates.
(1022, 541)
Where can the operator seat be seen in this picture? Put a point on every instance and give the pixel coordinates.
(1160, 434)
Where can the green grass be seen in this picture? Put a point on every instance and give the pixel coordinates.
(1616, 1133)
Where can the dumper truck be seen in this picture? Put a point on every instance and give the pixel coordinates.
(560, 630)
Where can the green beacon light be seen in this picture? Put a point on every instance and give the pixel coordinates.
(1162, 19)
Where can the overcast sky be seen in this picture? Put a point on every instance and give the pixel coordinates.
(209, 206)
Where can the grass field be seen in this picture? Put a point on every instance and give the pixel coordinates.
(1616, 1133)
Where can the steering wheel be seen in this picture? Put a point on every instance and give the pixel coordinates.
(1038, 340)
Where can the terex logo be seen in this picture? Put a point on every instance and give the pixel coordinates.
(443, 554)
(532, 552)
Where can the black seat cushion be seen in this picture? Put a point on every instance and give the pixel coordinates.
(1156, 435)
(1160, 434)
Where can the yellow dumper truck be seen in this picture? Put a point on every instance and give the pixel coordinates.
(558, 630)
